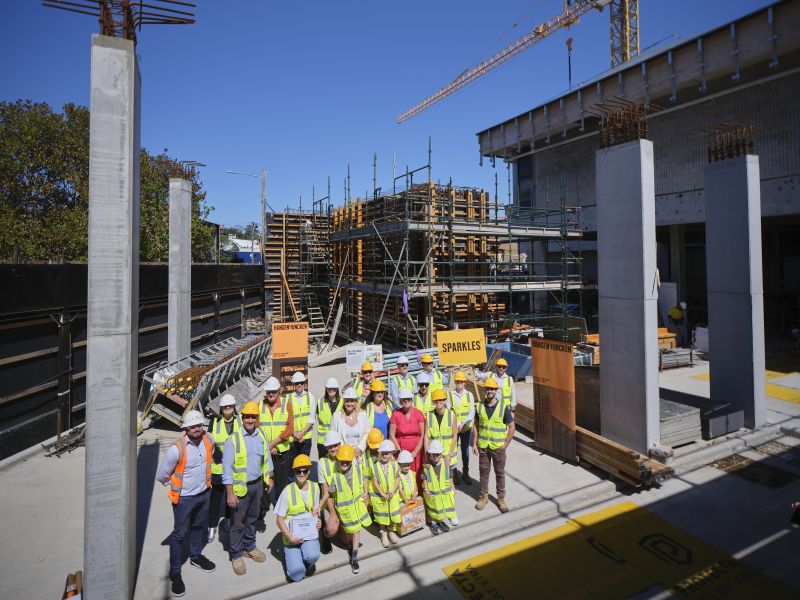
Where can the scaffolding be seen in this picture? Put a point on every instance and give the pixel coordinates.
(431, 257)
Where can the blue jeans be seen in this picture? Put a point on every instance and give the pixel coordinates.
(299, 558)
(465, 439)
(190, 516)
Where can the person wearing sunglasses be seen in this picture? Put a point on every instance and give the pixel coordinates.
(186, 469)
(300, 503)
(349, 492)
(422, 400)
(402, 380)
(508, 395)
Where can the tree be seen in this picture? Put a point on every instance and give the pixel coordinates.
(44, 189)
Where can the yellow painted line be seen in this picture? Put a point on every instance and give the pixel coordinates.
(769, 375)
(773, 390)
(612, 553)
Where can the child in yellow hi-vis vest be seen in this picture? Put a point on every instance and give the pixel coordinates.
(408, 478)
(438, 490)
(384, 494)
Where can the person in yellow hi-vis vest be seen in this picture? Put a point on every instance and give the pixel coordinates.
(304, 407)
(408, 478)
(492, 433)
(246, 468)
(222, 428)
(463, 403)
(277, 421)
(440, 424)
(508, 394)
(330, 403)
(438, 490)
(384, 495)
(422, 399)
(326, 467)
(437, 379)
(300, 500)
(403, 380)
(349, 493)
(364, 379)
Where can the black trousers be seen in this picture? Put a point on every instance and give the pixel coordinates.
(465, 440)
(218, 505)
(280, 475)
(295, 450)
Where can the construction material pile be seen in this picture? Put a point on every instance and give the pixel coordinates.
(620, 462)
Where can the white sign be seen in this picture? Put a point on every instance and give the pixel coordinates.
(304, 526)
(358, 355)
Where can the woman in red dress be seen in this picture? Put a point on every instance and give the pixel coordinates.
(407, 430)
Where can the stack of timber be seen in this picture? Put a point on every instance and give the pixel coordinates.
(678, 357)
(618, 461)
(680, 424)
(666, 339)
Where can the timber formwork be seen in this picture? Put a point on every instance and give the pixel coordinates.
(434, 257)
(296, 259)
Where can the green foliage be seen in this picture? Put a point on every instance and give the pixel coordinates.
(44, 189)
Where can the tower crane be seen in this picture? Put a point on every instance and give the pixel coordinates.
(624, 44)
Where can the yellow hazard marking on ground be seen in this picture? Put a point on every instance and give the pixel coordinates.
(780, 392)
(612, 553)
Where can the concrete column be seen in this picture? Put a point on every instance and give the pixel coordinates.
(677, 259)
(112, 313)
(626, 266)
(179, 333)
(735, 288)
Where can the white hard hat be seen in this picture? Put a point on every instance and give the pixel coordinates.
(405, 393)
(683, 305)
(386, 446)
(405, 458)
(272, 385)
(435, 447)
(332, 438)
(350, 394)
(402, 360)
(298, 377)
(227, 400)
(332, 382)
(423, 378)
(193, 417)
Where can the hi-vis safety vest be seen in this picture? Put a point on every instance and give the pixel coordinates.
(409, 484)
(437, 381)
(492, 431)
(506, 384)
(358, 386)
(176, 479)
(385, 511)
(349, 502)
(302, 411)
(240, 462)
(461, 405)
(296, 504)
(220, 436)
(443, 432)
(273, 424)
(324, 417)
(328, 467)
(441, 503)
(425, 405)
(370, 410)
(408, 383)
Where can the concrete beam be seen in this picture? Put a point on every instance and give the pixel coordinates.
(180, 269)
(112, 321)
(735, 289)
(626, 256)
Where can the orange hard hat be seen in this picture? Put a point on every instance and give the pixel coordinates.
(250, 408)
(374, 438)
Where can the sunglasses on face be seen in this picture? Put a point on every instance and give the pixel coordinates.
(405, 399)
(272, 393)
(423, 385)
(500, 367)
(249, 416)
(345, 463)
(302, 471)
(194, 426)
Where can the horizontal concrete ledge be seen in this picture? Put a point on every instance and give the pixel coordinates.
(408, 553)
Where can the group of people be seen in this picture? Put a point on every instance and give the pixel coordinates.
(378, 451)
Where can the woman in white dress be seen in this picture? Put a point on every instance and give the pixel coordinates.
(351, 424)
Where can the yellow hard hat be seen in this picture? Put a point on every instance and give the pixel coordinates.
(250, 408)
(345, 453)
(438, 395)
(378, 386)
(491, 384)
(301, 460)
(502, 362)
(374, 438)
(426, 359)
(460, 376)
(366, 367)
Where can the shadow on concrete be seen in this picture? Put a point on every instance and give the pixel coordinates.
(147, 464)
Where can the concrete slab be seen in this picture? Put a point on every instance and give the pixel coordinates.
(791, 381)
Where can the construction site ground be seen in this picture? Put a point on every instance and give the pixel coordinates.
(570, 532)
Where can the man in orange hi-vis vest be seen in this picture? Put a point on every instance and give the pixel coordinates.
(186, 469)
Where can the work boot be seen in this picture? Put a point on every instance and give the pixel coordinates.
(176, 585)
(466, 478)
(325, 546)
(212, 533)
(202, 563)
(311, 570)
(238, 566)
(384, 539)
(456, 477)
(501, 504)
(256, 554)
(483, 500)
(443, 527)
(393, 537)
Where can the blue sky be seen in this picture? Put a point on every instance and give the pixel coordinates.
(304, 88)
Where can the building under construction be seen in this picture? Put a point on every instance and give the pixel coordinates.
(396, 268)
